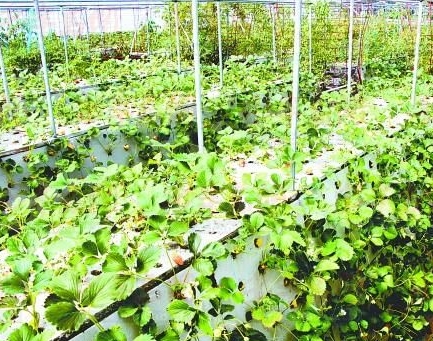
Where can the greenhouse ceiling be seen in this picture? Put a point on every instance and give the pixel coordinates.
(23, 4)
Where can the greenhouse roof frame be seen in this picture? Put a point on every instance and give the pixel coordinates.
(26, 4)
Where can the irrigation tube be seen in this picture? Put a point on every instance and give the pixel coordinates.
(176, 20)
(197, 75)
(45, 68)
(220, 44)
(350, 52)
(295, 83)
(4, 76)
(65, 41)
(274, 33)
(416, 59)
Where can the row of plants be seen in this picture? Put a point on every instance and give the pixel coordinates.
(383, 41)
(160, 90)
(87, 241)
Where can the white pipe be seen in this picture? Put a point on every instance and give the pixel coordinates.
(350, 52)
(148, 31)
(274, 34)
(4, 77)
(310, 40)
(197, 75)
(416, 59)
(220, 45)
(295, 84)
(86, 18)
(45, 68)
(176, 18)
(65, 41)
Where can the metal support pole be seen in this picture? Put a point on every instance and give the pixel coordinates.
(148, 31)
(4, 77)
(350, 52)
(197, 75)
(295, 83)
(176, 20)
(274, 33)
(86, 19)
(45, 68)
(220, 44)
(310, 40)
(65, 41)
(416, 59)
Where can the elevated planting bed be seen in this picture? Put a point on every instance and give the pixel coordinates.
(221, 279)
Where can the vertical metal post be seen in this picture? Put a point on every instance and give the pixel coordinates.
(100, 26)
(45, 68)
(148, 31)
(65, 41)
(310, 40)
(197, 75)
(4, 76)
(220, 44)
(10, 17)
(176, 21)
(295, 83)
(416, 59)
(274, 33)
(350, 52)
(86, 19)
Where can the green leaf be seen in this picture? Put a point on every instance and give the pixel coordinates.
(100, 292)
(22, 267)
(317, 285)
(113, 334)
(114, 262)
(386, 207)
(257, 220)
(326, 265)
(177, 228)
(368, 195)
(127, 311)
(180, 311)
(204, 323)
(343, 250)
(271, 317)
(194, 242)
(24, 333)
(144, 317)
(386, 190)
(12, 285)
(65, 316)
(60, 183)
(213, 250)
(350, 299)
(67, 286)
(144, 337)
(124, 285)
(203, 266)
(147, 259)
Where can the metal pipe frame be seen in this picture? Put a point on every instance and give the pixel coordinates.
(274, 33)
(176, 23)
(4, 77)
(45, 69)
(416, 58)
(295, 84)
(350, 52)
(220, 45)
(197, 75)
(65, 41)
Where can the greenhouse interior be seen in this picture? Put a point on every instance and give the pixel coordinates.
(216, 170)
